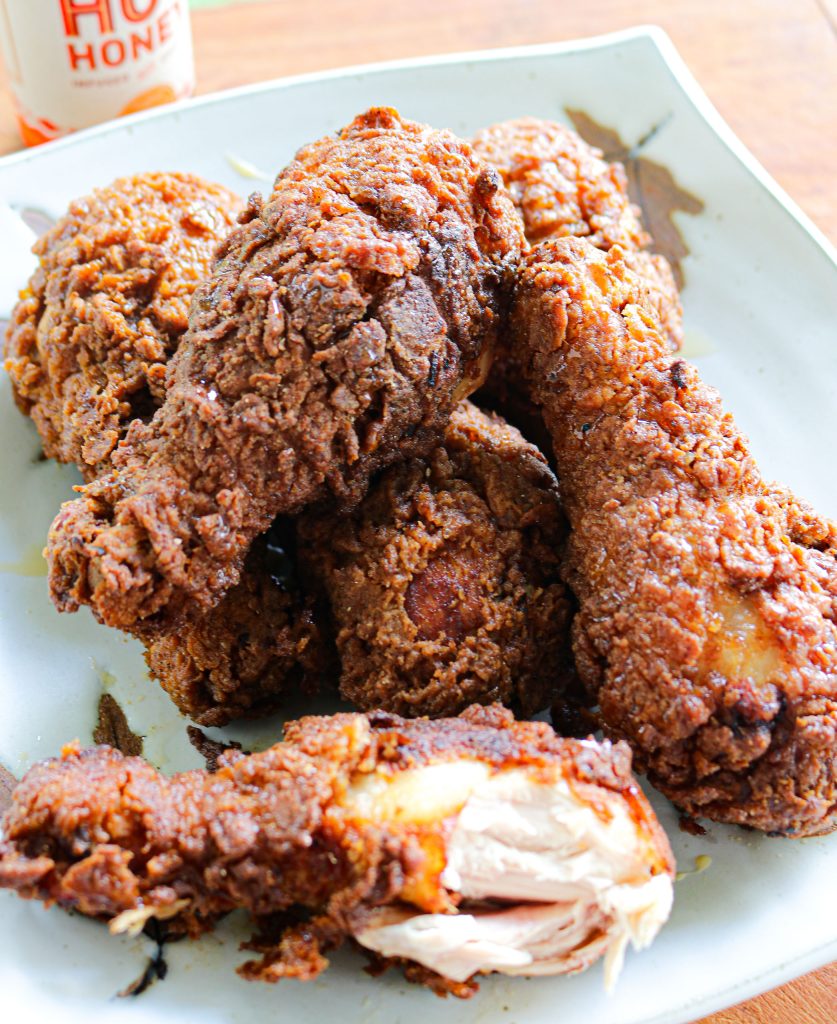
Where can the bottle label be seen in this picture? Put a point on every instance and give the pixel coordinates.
(73, 63)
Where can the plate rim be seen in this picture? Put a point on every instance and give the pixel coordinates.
(676, 66)
(750, 988)
(599, 41)
(649, 32)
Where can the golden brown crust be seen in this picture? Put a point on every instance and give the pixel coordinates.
(107, 306)
(87, 353)
(263, 642)
(107, 834)
(707, 627)
(563, 187)
(341, 324)
(444, 583)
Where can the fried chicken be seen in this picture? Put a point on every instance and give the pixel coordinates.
(453, 848)
(87, 353)
(264, 641)
(707, 628)
(561, 186)
(341, 324)
(107, 306)
(445, 583)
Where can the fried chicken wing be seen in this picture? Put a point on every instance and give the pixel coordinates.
(107, 307)
(455, 847)
(561, 186)
(445, 582)
(707, 628)
(341, 324)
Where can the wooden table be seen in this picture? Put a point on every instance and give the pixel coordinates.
(769, 66)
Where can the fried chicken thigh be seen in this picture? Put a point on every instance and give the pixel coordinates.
(454, 848)
(87, 353)
(707, 628)
(445, 582)
(107, 307)
(341, 324)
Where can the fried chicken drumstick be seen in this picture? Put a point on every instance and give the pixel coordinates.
(561, 187)
(107, 307)
(444, 583)
(340, 326)
(454, 848)
(707, 628)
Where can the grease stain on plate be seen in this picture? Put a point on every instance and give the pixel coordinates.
(702, 862)
(30, 563)
(247, 170)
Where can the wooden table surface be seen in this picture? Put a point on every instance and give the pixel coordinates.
(769, 66)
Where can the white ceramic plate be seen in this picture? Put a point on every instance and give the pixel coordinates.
(761, 295)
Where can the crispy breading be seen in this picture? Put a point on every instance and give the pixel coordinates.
(707, 626)
(265, 641)
(107, 307)
(341, 324)
(561, 186)
(445, 582)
